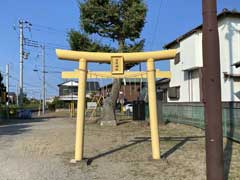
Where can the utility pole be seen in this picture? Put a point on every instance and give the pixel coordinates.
(7, 89)
(43, 80)
(17, 94)
(42, 46)
(7, 83)
(21, 63)
(22, 25)
(212, 92)
(7, 78)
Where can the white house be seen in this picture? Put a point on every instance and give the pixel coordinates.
(68, 91)
(185, 84)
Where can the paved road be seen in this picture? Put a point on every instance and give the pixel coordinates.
(29, 150)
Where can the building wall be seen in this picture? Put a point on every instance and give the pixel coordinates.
(186, 74)
(179, 78)
(130, 92)
(67, 90)
(162, 86)
(230, 53)
(192, 58)
(193, 85)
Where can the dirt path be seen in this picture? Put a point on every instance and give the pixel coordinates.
(41, 150)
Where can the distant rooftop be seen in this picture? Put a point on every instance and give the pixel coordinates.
(90, 86)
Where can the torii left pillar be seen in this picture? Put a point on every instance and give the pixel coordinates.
(81, 110)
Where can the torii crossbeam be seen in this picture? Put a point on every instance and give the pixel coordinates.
(102, 74)
(117, 61)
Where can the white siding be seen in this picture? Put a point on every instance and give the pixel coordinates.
(189, 49)
(191, 58)
(178, 79)
(229, 53)
(195, 86)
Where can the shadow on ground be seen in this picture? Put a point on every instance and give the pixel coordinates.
(137, 140)
(13, 129)
(18, 126)
(23, 121)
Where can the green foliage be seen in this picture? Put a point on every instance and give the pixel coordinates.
(57, 104)
(81, 42)
(2, 90)
(1, 83)
(12, 111)
(119, 20)
(26, 101)
(51, 107)
(31, 106)
(2, 112)
(135, 47)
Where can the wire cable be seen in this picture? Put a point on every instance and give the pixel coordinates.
(152, 43)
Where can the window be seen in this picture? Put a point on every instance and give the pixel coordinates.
(229, 76)
(75, 90)
(65, 91)
(174, 92)
(177, 58)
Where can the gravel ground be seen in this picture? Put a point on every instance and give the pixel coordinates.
(41, 149)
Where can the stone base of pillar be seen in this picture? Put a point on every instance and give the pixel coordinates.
(108, 123)
(82, 164)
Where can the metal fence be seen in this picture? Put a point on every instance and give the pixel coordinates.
(193, 114)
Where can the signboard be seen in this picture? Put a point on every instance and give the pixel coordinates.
(91, 105)
(117, 65)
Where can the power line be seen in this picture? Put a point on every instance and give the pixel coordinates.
(53, 87)
(48, 29)
(55, 67)
(25, 83)
(55, 45)
(48, 45)
(152, 43)
(29, 42)
(48, 72)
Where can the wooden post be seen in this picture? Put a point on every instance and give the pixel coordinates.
(212, 92)
(81, 110)
(153, 108)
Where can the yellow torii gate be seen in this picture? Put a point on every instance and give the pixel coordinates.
(117, 61)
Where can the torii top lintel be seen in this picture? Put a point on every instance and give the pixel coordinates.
(106, 57)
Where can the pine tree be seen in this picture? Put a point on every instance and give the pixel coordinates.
(118, 20)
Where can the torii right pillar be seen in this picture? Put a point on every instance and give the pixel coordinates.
(151, 77)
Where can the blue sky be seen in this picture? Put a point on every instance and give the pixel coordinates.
(51, 19)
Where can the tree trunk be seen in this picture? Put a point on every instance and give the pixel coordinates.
(109, 104)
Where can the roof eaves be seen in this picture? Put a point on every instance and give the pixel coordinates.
(67, 82)
(223, 14)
